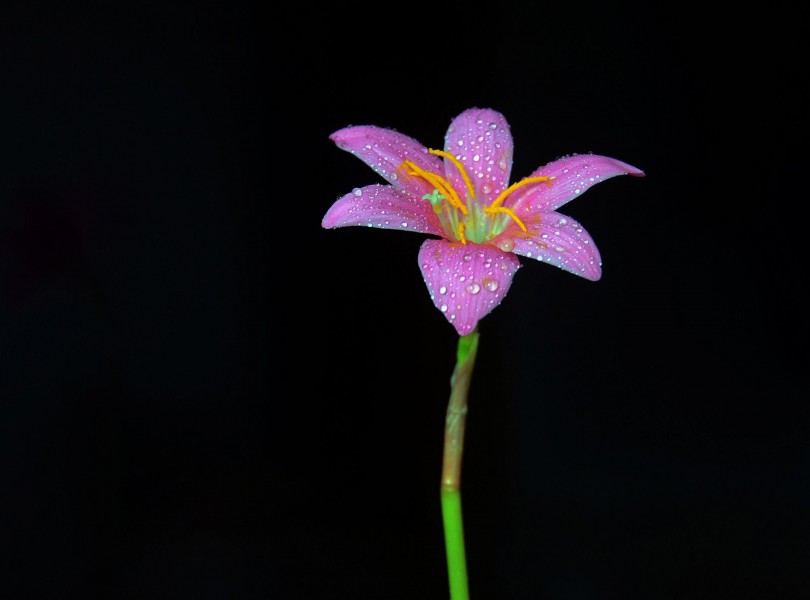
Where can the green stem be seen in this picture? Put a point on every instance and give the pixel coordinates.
(451, 465)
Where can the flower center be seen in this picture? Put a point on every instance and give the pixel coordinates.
(466, 218)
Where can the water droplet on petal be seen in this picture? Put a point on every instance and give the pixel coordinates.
(467, 257)
(473, 288)
(506, 244)
(442, 290)
(357, 192)
(443, 308)
(491, 284)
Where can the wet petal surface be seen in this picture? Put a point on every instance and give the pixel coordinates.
(482, 142)
(384, 207)
(384, 150)
(557, 240)
(573, 176)
(466, 282)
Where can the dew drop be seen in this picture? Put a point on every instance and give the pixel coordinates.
(491, 284)
(443, 308)
(506, 244)
(486, 188)
(473, 288)
(467, 257)
(442, 290)
(357, 192)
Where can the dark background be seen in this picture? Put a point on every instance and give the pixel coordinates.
(204, 394)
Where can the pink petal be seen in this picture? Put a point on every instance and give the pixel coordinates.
(466, 281)
(385, 207)
(384, 150)
(573, 175)
(557, 240)
(481, 140)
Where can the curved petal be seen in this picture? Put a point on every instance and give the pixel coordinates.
(573, 175)
(481, 140)
(384, 207)
(466, 282)
(384, 150)
(557, 240)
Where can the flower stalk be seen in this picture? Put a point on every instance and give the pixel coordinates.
(451, 465)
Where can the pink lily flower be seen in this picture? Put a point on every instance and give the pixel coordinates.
(462, 195)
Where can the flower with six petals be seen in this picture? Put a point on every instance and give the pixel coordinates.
(462, 195)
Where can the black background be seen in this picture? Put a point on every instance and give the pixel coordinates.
(206, 395)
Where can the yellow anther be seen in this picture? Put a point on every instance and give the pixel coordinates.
(438, 182)
(502, 196)
(460, 168)
(508, 211)
(461, 228)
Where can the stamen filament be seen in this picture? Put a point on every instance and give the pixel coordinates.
(440, 183)
(508, 211)
(502, 196)
(460, 168)
(461, 228)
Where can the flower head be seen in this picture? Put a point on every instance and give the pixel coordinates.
(462, 195)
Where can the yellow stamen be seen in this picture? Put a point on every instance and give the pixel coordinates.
(460, 168)
(461, 236)
(502, 196)
(440, 183)
(509, 212)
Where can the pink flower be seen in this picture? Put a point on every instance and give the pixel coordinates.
(462, 194)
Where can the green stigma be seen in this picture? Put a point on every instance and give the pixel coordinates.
(435, 198)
